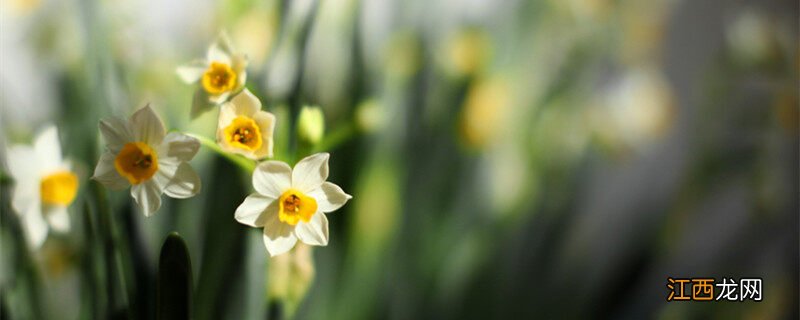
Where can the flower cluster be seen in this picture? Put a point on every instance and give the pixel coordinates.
(289, 204)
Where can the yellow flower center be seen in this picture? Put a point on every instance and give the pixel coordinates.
(219, 78)
(136, 162)
(59, 188)
(243, 132)
(294, 206)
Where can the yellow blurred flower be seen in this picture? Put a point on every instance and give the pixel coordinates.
(484, 109)
(45, 185)
(22, 7)
(255, 33)
(467, 52)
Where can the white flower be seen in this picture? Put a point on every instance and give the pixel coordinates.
(291, 204)
(244, 129)
(44, 186)
(221, 75)
(141, 154)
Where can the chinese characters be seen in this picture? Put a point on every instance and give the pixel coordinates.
(704, 289)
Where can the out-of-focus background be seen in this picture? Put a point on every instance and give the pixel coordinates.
(508, 159)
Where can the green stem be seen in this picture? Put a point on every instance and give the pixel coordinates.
(333, 140)
(5, 178)
(245, 164)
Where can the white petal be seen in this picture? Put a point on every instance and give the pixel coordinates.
(166, 171)
(147, 126)
(278, 236)
(34, 225)
(255, 210)
(26, 195)
(148, 196)
(239, 66)
(192, 71)
(245, 103)
(221, 50)
(226, 115)
(220, 98)
(180, 146)
(107, 174)
(58, 218)
(329, 197)
(23, 164)
(265, 122)
(226, 145)
(116, 132)
(48, 149)
(311, 172)
(185, 182)
(315, 231)
(215, 54)
(272, 178)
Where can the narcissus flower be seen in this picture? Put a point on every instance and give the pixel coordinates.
(220, 75)
(45, 186)
(141, 154)
(291, 204)
(244, 129)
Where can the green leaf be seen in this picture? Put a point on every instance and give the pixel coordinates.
(222, 267)
(200, 103)
(174, 288)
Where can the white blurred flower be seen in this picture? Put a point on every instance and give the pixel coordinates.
(291, 204)
(45, 186)
(220, 75)
(753, 37)
(141, 154)
(640, 107)
(244, 129)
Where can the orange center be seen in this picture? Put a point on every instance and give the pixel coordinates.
(219, 78)
(59, 188)
(136, 162)
(243, 132)
(294, 206)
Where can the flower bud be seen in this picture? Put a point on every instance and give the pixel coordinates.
(311, 125)
(370, 116)
(290, 275)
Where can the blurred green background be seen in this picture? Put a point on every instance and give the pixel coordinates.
(508, 159)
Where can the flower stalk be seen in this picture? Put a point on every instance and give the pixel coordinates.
(243, 163)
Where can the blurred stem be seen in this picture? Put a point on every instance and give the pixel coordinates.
(115, 271)
(245, 164)
(5, 179)
(339, 136)
(275, 310)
